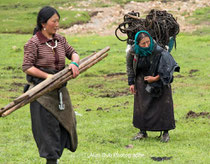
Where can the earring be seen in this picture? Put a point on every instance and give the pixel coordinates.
(44, 28)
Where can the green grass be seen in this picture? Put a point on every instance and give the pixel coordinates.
(104, 134)
(20, 17)
(201, 17)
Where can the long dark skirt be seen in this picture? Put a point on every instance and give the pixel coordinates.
(151, 113)
(50, 136)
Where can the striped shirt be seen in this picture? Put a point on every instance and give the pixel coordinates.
(38, 54)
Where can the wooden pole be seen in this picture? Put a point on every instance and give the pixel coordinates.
(57, 80)
(55, 77)
(52, 87)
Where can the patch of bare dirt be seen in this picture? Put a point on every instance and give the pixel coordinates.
(9, 68)
(130, 146)
(193, 70)
(160, 158)
(104, 109)
(192, 114)
(96, 86)
(18, 77)
(104, 21)
(116, 74)
(17, 84)
(115, 94)
(178, 76)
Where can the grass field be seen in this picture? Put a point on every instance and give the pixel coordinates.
(104, 105)
(20, 17)
(104, 134)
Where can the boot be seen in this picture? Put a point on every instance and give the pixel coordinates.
(140, 135)
(165, 137)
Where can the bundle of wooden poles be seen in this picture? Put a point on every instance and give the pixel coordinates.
(52, 83)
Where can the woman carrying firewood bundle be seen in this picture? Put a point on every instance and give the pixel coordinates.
(52, 115)
(150, 71)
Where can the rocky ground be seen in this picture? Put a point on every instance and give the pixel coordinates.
(105, 20)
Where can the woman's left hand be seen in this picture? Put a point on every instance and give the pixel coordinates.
(151, 79)
(75, 70)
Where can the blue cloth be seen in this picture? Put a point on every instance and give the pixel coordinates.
(171, 44)
(143, 51)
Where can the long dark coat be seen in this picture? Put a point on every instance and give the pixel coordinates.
(150, 113)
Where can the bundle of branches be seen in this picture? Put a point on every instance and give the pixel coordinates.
(52, 83)
(160, 24)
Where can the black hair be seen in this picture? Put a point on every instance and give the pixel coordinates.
(141, 36)
(44, 14)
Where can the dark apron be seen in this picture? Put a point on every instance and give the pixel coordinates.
(53, 129)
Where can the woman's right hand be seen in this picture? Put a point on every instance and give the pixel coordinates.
(75, 70)
(132, 89)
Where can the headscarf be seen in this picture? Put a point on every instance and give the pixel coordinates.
(143, 51)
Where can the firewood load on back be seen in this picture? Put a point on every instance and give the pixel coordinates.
(52, 83)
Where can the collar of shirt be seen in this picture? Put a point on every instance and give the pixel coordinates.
(44, 39)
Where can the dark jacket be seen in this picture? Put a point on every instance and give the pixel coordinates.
(167, 66)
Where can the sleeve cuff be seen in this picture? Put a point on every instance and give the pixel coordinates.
(130, 81)
(25, 67)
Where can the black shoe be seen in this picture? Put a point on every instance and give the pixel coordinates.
(140, 135)
(165, 137)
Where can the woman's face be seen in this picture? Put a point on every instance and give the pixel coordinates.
(52, 25)
(145, 42)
